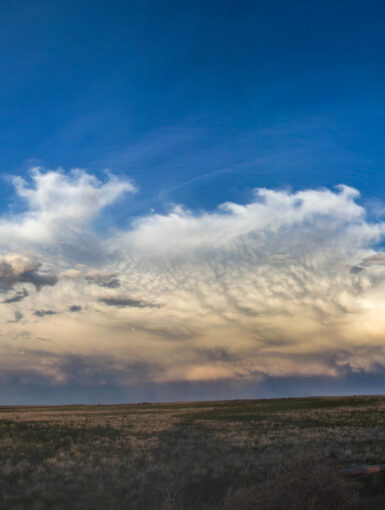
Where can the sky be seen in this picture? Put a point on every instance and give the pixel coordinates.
(191, 200)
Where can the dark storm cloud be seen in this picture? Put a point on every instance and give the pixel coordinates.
(103, 369)
(19, 296)
(86, 386)
(127, 302)
(43, 313)
(93, 371)
(66, 379)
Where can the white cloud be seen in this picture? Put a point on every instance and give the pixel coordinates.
(269, 282)
(271, 213)
(60, 206)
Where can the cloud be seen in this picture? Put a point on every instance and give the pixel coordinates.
(356, 269)
(97, 277)
(16, 268)
(19, 296)
(173, 333)
(127, 301)
(215, 354)
(59, 207)
(18, 316)
(43, 313)
(72, 274)
(107, 280)
(75, 308)
(269, 214)
(60, 369)
(289, 285)
(375, 260)
(39, 279)
(94, 380)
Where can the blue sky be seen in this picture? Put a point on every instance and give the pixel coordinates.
(197, 102)
(172, 224)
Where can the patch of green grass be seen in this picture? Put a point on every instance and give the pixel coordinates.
(256, 410)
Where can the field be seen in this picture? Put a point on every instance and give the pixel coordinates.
(262, 454)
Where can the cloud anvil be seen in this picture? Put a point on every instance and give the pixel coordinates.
(288, 285)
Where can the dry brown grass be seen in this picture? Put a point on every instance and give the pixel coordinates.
(262, 455)
(302, 483)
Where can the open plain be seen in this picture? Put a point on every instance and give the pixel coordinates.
(260, 454)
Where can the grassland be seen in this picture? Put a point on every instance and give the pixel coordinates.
(207, 455)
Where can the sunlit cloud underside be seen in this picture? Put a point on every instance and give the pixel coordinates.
(282, 295)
